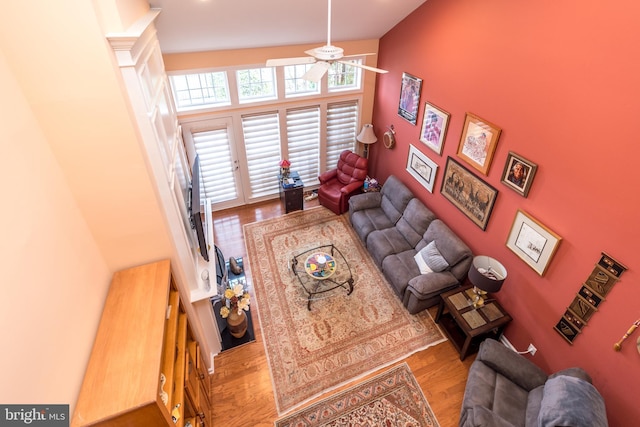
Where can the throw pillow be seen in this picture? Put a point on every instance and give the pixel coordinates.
(429, 259)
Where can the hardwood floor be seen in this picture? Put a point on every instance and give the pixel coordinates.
(241, 388)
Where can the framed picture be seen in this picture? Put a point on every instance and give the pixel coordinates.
(434, 127)
(409, 98)
(474, 197)
(518, 173)
(534, 243)
(422, 168)
(478, 142)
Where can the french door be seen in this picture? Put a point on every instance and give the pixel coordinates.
(212, 140)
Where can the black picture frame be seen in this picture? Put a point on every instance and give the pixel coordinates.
(410, 88)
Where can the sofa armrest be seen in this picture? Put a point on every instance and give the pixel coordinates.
(351, 187)
(510, 364)
(328, 175)
(365, 201)
(426, 284)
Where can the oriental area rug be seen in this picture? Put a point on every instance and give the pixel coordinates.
(392, 398)
(342, 337)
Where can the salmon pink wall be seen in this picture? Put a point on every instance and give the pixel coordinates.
(561, 80)
(54, 277)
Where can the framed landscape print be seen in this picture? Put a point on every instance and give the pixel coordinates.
(434, 127)
(409, 98)
(478, 142)
(518, 173)
(422, 168)
(474, 197)
(534, 243)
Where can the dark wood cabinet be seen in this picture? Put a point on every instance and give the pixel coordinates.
(291, 195)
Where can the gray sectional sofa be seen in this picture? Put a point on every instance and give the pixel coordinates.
(505, 389)
(417, 253)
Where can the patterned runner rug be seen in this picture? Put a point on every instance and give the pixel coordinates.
(392, 398)
(342, 337)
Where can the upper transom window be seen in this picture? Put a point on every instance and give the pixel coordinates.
(256, 84)
(200, 90)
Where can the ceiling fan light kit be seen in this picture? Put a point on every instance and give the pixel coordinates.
(322, 57)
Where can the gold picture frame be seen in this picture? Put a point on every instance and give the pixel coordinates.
(478, 142)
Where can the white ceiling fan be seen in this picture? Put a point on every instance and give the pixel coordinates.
(322, 57)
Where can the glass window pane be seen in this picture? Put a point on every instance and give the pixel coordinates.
(200, 90)
(295, 85)
(343, 76)
(257, 84)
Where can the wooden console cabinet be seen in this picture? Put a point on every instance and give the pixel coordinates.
(291, 197)
(144, 331)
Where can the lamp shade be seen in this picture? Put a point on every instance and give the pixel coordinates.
(366, 135)
(487, 273)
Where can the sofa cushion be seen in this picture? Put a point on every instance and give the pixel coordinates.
(533, 406)
(429, 259)
(510, 401)
(400, 269)
(414, 221)
(395, 198)
(382, 243)
(449, 244)
(571, 401)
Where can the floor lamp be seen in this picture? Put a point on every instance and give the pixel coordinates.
(367, 137)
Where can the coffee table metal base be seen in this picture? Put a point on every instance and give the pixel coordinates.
(321, 269)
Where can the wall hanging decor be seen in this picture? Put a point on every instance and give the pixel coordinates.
(422, 168)
(389, 138)
(518, 173)
(478, 142)
(474, 197)
(591, 294)
(409, 98)
(532, 241)
(435, 122)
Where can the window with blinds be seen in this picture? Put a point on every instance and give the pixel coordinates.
(262, 147)
(342, 128)
(303, 142)
(216, 165)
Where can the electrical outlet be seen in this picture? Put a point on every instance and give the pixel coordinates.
(532, 349)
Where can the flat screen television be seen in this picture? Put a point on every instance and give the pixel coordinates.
(195, 215)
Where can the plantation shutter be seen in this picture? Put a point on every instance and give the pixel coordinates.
(262, 147)
(216, 166)
(303, 142)
(342, 128)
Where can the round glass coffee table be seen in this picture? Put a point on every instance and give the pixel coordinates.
(321, 269)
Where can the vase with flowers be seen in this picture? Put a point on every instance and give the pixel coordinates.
(235, 304)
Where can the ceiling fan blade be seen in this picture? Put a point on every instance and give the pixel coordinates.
(290, 61)
(366, 67)
(315, 73)
(359, 54)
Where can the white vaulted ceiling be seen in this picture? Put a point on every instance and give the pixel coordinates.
(201, 25)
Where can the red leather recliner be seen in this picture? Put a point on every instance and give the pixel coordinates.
(338, 185)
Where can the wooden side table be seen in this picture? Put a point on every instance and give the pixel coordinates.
(291, 196)
(466, 326)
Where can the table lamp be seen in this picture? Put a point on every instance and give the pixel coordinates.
(486, 275)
